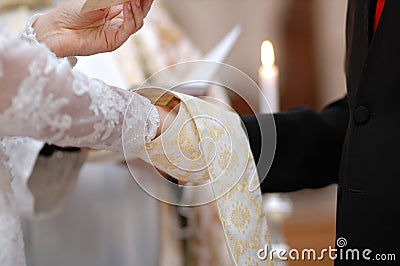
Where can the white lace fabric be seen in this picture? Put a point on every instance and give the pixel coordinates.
(45, 99)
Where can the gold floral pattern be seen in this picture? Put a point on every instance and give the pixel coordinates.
(207, 144)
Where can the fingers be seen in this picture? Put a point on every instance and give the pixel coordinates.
(134, 13)
(113, 12)
(139, 10)
(129, 24)
(146, 5)
(133, 18)
(138, 14)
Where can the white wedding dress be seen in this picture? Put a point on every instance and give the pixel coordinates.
(43, 98)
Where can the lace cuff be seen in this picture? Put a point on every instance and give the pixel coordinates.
(29, 35)
(152, 123)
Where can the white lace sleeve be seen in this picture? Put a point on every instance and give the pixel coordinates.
(28, 34)
(44, 98)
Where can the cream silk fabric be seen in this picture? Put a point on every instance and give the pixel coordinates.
(206, 144)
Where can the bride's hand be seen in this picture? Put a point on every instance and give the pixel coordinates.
(167, 116)
(68, 32)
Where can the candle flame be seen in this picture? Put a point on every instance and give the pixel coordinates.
(267, 54)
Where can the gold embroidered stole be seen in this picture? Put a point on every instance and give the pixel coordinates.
(207, 145)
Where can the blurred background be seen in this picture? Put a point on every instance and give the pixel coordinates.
(308, 40)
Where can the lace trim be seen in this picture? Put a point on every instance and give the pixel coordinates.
(152, 123)
(93, 120)
(28, 34)
(6, 163)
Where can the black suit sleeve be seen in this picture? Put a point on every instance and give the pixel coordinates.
(308, 146)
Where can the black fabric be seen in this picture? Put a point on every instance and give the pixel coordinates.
(48, 149)
(308, 147)
(315, 149)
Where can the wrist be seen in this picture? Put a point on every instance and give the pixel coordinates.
(167, 116)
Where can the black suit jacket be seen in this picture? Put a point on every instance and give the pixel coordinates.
(354, 141)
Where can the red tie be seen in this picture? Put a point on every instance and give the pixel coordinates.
(379, 8)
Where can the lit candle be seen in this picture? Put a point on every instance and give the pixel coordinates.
(268, 79)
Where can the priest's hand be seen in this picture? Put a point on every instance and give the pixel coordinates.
(68, 32)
